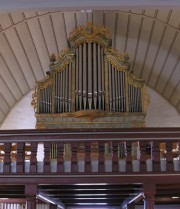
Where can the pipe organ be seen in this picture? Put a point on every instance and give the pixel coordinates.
(90, 85)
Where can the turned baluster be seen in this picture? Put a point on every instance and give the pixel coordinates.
(7, 159)
(87, 157)
(115, 157)
(20, 158)
(128, 157)
(169, 156)
(101, 157)
(156, 156)
(74, 166)
(60, 157)
(33, 159)
(143, 156)
(47, 150)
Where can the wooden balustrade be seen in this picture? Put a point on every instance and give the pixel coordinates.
(113, 154)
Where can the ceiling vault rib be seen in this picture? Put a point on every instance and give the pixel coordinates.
(5, 100)
(147, 48)
(17, 63)
(174, 90)
(8, 88)
(115, 30)
(157, 52)
(137, 42)
(25, 53)
(5, 63)
(165, 60)
(170, 76)
(127, 33)
(75, 21)
(65, 29)
(54, 34)
(35, 50)
(44, 40)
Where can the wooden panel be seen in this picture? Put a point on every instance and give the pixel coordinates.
(169, 66)
(163, 14)
(60, 31)
(39, 43)
(143, 46)
(81, 18)
(17, 17)
(174, 79)
(121, 31)
(161, 57)
(7, 76)
(30, 50)
(21, 56)
(134, 27)
(176, 96)
(13, 65)
(69, 22)
(4, 90)
(156, 37)
(150, 12)
(98, 18)
(48, 33)
(5, 20)
(175, 18)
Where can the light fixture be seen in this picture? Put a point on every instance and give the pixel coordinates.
(175, 197)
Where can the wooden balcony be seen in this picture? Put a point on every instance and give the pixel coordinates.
(148, 156)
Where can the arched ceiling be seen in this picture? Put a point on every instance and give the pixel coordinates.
(27, 39)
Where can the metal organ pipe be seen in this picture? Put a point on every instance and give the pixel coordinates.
(99, 78)
(80, 77)
(95, 76)
(110, 87)
(70, 87)
(76, 79)
(84, 77)
(89, 76)
(103, 81)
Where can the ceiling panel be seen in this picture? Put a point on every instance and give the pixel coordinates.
(16, 17)
(172, 82)
(30, 51)
(156, 34)
(162, 55)
(6, 92)
(48, 33)
(143, 46)
(13, 65)
(5, 21)
(60, 30)
(21, 55)
(39, 42)
(121, 31)
(9, 79)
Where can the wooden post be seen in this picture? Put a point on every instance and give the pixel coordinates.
(169, 156)
(47, 148)
(60, 158)
(149, 192)
(30, 192)
(20, 158)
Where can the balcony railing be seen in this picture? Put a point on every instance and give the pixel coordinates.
(97, 151)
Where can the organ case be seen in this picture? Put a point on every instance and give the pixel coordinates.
(90, 85)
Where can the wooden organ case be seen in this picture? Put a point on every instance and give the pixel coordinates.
(90, 85)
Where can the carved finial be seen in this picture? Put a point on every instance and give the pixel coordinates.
(53, 59)
(126, 57)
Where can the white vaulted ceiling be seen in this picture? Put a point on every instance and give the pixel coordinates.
(27, 39)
